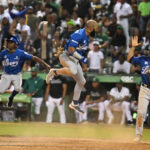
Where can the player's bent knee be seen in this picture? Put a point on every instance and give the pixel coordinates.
(82, 83)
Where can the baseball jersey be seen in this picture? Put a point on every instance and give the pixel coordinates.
(119, 94)
(34, 84)
(79, 41)
(96, 93)
(144, 63)
(56, 87)
(13, 62)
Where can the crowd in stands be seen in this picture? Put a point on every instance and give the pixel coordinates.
(44, 25)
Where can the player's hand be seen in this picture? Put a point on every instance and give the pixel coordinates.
(61, 102)
(134, 41)
(84, 60)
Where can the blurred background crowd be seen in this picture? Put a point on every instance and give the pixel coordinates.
(44, 25)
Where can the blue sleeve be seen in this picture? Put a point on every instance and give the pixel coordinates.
(2, 55)
(136, 60)
(74, 41)
(27, 56)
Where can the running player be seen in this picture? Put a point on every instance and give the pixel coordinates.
(13, 60)
(69, 58)
(144, 94)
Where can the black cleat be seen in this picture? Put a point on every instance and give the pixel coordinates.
(76, 108)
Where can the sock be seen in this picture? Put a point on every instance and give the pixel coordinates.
(75, 102)
(13, 94)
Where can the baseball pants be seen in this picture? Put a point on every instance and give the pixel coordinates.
(143, 101)
(37, 101)
(51, 104)
(74, 66)
(7, 79)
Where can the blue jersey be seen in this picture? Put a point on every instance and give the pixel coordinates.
(79, 41)
(13, 62)
(144, 63)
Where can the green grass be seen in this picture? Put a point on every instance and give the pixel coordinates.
(94, 131)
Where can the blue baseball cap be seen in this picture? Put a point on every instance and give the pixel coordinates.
(14, 39)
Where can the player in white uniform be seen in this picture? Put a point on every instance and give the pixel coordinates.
(74, 49)
(13, 60)
(119, 100)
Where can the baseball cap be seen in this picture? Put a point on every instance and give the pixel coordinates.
(95, 79)
(15, 39)
(95, 43)
(34, 69)
(119, 27)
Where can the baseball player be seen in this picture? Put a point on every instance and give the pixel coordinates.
(144, 94)
(70, 57)
(13, 60)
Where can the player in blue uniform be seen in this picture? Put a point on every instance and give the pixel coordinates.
(144, 94)
(13, 60)
(70, 57)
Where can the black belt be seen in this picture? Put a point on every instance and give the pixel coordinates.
(145, 85)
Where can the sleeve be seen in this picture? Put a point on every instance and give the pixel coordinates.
(89, 55)
(129, 9)
(139, 7)
(112, 92)
(1, 56)
(115, 8)
(136, 60)
(114, 67)
(27, 56)
(74, 41)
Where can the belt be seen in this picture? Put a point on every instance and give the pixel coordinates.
(145, 85)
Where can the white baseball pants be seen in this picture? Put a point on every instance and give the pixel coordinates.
(51, 104)
(37, 101)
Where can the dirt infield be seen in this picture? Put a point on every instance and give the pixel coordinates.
(46, 143)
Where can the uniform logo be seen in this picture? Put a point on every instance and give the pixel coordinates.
(145, 70)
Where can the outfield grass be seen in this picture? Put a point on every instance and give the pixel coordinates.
(95, 131)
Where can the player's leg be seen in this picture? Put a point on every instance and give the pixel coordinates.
(37, 105)
(61, 110)
(108, 111)
(80, 82)
(126, 109)
(69, 68)
(50, 109)
(4, 83)
(17, 82)
(101, 110)
(143, 102)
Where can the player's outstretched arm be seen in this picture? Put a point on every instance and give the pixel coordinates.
(134, 42)
(37, 59)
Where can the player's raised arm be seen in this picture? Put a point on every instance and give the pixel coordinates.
(134, 42)
(37, 59)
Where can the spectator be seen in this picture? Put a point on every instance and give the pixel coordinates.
(144, 14)
(102, 38)
(96, 58)
(123, 11)
(32, 22)
(95, 97)
(118, 43)
(34, 88)
(46, 31)
(121, 66)
(119, 101)
(77, 20)
(21, 26)
(56, 98)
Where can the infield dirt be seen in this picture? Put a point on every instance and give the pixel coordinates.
(48, 143)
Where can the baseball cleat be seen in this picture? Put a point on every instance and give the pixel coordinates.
(76, 108)
(50, 76)
(138, 138)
